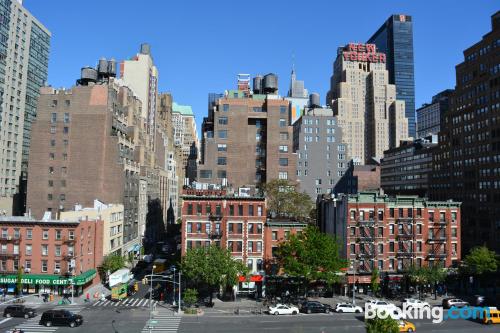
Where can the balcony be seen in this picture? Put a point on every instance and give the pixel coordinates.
(8, 272)
(367, 254)
(405, 254)
(404, 219)
(365, 239)
(215, 234)
(405, 235)
(68, 256)
(8, 254)
(436, 239)
(441, 222)
(436, 255)
(215, 217)
(9, 238)
(67, 240)
(366, 222)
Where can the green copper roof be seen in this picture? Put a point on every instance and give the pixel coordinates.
(183, 109)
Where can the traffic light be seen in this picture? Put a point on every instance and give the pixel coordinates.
(136, 287)
(145, 281)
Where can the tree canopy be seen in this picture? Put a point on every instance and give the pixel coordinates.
(212, 266)
(480, 260)
(311, 254)
(284, 200)
(112, 263)
(374, 281)
(378, 325)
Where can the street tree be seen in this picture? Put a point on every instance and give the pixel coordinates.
(374, 281)
(110, 264)
(190, 297)
(213, 267)
(311, 254)
(284, 200)
(418, 276)
(435, 275)
(480, 260)
(379, 325)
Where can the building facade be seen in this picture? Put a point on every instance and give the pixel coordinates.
(371, 118)
(395, 39)
(407, 168)
(186, 138)
(111, 216)
(297, 96)
(359, 178)
(429, 115)
(51, 254)
(392, 234)
(24, 58)
(321, 155)
(247, 138)
(466, 166)
(89, 142)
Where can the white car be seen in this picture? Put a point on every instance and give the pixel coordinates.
(348, 308)
(412, 303)
(282, 309)
(376, 304)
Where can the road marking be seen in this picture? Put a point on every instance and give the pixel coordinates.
(6, 319)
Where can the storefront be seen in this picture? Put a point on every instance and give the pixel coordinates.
(251, 285)
(45, 283)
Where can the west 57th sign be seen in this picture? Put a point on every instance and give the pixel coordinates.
(363, 52)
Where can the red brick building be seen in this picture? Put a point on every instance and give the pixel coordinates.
(392, 233)
(51, 254)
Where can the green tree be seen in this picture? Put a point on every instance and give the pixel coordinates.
(19, 281)
(284, 200)
(374, 281)
(311, 254)
(435, 275)
(480, 260)
(378, 325)
(418, 276)
(190, 297)
(111, 263)
(212, 266)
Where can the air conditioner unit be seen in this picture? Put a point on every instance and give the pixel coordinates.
(57, 270)
(27, 270)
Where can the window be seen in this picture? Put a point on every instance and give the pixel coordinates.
(225, 107)
(58, 250)
(259, 247)
(66, 117)
(240, 210)
(221, 174)
(353, 231)
(453, 232)
(52, 129)
(44, 266)
(283, 136)
(51, 183)
(29, 249)
(400, 212)
(381, 231)
(353, 214)
(442, 216)
(391, 229)
(380, 215)
(275, 235)
(283, 161)
(431, 216)
(221, 160)
(282, 109)
(453, 216)
(45, 250)
(259, 210)
(71, 234)
(222, 134)
(391, 212)
(380, 265)
(221, 147)
(419, 212)
(283, 175)
(190, 209)
(282, 122)
(198, 209)
(353, 248)
(419, 246)
(380, 248)
(283, 149)
(205, 174)
(52, 142)
(419, 229)
(45, 234)
(250, 210)
(231, 210)
(66, 130)
(222, 120)
(391, 246)
(391, 264)
(249, 261)
(189, 227)
(29, 233)
(287, 234)
(58, 234)
(53, 117)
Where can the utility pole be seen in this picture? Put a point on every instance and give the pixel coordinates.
(151, 300)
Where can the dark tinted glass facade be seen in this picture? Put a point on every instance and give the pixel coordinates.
(395, 39)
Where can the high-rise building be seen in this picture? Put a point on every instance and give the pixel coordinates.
(321, 155)
(429, 115)
(186, 138)
(297, 96)
(395, 39)
(406, 169)
(371, 117)
(466, 166)
(24, 58)
(391, 234)
(245, 136)
(141, 75)
(87, 143)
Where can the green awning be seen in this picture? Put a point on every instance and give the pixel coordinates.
(50, 280)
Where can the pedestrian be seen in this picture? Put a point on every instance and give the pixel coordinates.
(103, 297)
(88, 297)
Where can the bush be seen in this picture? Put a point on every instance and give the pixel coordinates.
(378, 325)
(190, 297)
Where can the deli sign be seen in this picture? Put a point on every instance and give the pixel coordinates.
(36, 281)
(362, 53)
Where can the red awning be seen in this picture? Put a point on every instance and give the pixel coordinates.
(253, 278)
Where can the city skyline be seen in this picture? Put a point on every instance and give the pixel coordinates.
(437, 47)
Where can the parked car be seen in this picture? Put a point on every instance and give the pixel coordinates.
(282, 309)
(406, 326)
(60, 318)
(377, 304)
(348, 308)
(315, 307)
(480, 300)
(456, 302)
(412, 303)
(19, 311)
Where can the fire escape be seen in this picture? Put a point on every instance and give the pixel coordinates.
(214, 234)
(406, 245)
(437, 242)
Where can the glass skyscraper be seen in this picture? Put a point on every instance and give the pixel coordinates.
(395, 39)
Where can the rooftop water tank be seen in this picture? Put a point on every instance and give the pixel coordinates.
(270, 83)
(257, 84)
(314, 100)
(145, 48)
(102, 67)
(88, 74)
(112, 67)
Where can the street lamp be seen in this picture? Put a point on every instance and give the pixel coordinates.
(151, 299)
(173, 294)
(354, 281)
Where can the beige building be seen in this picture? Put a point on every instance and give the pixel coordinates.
(186, 137)
(111, 216)
(24, 58)
(371, 118)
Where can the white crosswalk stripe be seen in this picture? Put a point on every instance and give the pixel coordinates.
(31, 325)
(132, 302)
(164, 321)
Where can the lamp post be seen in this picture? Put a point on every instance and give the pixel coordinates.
(179, 311)
(173, 294)
(354, 282)
(151, 299)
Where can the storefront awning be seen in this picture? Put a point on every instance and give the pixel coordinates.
(253, 278)
(50, 280)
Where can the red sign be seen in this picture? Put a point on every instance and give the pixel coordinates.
(363, 53)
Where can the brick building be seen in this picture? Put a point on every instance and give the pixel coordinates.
(392, 233)
(359, 178)
(50, 253)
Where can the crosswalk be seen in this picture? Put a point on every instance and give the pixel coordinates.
(31, 325)
(164, 321)
(132, 302)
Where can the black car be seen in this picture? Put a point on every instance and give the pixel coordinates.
(315, 307)
(60, 318)
(19, 311)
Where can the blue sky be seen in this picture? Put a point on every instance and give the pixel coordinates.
(200, 46)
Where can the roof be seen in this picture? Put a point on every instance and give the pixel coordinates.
(285, 223)
(182, 109)
(31, 220)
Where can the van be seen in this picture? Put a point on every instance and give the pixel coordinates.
(60, 318)
(493, 318)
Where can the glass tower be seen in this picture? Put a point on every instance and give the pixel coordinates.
(395, 39)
